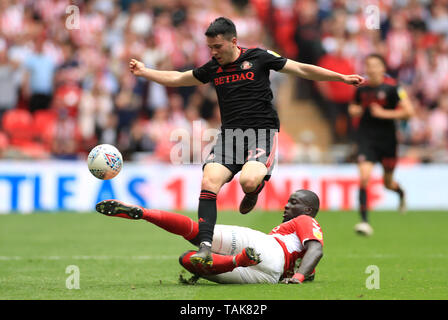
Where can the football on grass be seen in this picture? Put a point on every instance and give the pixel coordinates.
(105, 161)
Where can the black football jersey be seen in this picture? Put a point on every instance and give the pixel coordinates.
(243, 88)
(387, 95)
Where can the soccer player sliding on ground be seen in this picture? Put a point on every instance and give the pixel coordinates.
(244, 255)
(250, 123)
(378, 104)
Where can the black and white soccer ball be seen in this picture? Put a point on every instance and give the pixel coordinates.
(105, 161)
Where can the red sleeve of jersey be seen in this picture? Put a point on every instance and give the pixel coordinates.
(308, 229)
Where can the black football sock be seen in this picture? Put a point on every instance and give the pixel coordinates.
(206, 216)
(399, 191)
(363, 204)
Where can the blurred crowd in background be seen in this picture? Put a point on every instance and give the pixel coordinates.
(65, 85)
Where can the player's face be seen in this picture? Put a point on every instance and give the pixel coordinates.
(222, 49)
(295, 207)
(374, 68)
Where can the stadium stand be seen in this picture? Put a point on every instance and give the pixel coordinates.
(80, 76)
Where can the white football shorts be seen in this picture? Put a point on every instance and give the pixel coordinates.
(231, 240)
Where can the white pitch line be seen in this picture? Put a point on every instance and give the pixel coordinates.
(173, 257)
(392, 256)
(85, 257)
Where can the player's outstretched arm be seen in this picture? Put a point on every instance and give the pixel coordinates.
(165, 78)
(309, 261)
(311, 72)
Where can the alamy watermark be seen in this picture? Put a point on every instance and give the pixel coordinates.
(72, 20)
(373, 280)
(229, 146)
(72, 281)
(373, 17)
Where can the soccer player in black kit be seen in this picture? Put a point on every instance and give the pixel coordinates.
(249, 121)
(378, 103)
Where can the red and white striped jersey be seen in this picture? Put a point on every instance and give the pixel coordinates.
(293, 234)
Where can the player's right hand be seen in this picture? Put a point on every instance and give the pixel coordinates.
(297, 278)
(290, 281)
(136, 67)
(353, 79)
(355, 110)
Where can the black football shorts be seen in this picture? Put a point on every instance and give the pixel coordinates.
(382, 151)
(235, 147)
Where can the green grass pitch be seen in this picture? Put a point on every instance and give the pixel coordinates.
(124, 259)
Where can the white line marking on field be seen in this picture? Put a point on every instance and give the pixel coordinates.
(391, 256)
(85, 257)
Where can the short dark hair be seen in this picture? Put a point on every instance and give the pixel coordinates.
(222, 26)
(379, 57)
(309, 199)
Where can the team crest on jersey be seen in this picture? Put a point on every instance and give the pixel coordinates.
(317, 234)
(381, 95)
(246, 65)
(316, 231)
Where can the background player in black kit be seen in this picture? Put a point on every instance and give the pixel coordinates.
(379, 103)
(241, 79)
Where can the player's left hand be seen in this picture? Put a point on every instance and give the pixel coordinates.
(291, 281)
(353, 79)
